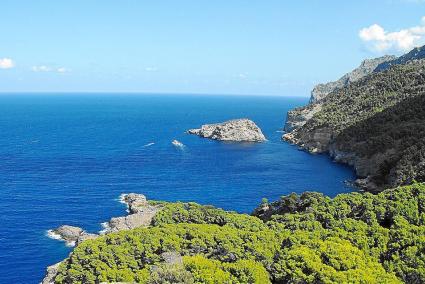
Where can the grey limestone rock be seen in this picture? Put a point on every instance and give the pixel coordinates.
(237, 130)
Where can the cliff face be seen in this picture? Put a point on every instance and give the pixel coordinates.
(375, 124)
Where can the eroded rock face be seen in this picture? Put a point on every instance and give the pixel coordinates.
(141, 214)
(237, 130)
(316, 141)
(142, 218)
(296, 118)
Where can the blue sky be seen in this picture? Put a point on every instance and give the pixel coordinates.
(272, 47)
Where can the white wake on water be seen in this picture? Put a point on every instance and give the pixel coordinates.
(178, 144)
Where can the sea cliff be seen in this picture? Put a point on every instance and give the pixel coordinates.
(375, 124)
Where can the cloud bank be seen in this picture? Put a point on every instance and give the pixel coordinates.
(380, 40)
(6, 63)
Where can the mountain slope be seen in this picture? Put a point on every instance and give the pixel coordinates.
(297, 117)
(348, 123)
(366, 67)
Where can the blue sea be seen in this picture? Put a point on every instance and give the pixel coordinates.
(66, 158)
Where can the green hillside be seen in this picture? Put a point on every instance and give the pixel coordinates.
(376, 124)
(353, 238)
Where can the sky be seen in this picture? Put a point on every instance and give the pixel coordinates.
(258, 47)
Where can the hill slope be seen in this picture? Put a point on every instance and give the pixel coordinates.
(353, 238)
(366, 67)
(375, 124)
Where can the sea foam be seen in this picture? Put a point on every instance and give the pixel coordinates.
(51, 234)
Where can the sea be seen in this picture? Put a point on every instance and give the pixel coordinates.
(66, 159)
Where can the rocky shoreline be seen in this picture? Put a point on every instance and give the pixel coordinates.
(346, 120)
(320, 140)
(236, 130)
(140, 214)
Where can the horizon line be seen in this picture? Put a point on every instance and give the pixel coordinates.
(142, 93)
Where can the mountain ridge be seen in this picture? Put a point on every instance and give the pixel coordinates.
(367, 66)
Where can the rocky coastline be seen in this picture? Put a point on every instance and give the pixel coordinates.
(236, 130)
(332, 121)
(141, 213)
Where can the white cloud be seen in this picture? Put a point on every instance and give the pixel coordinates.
(44, 68)
(6, 63)
(381, 40)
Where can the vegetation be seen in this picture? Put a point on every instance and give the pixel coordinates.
(353, 238)
(380, 119)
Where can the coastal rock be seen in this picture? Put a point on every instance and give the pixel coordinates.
(237, 130)
(140, 219)
(359, 124)
(71, 235)
(51, 273)
(316, 141)
(141, 214)
(134, 201)
(296, 118)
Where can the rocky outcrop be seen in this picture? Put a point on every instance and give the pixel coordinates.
(70, 234)
(296, 118)
(366, 67)
(141, 214)
(135, 202)
(237, 130)
(417, 53)
(142, 218)
(316, 141)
